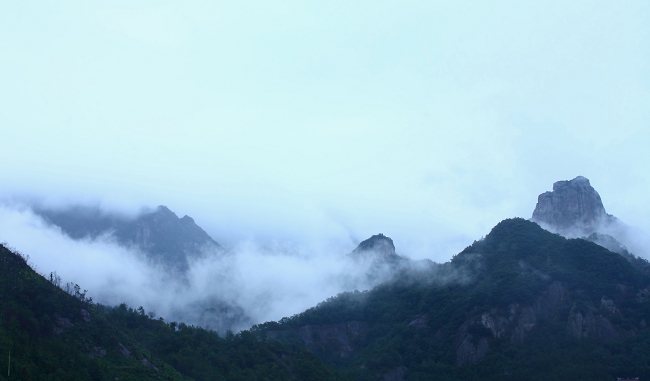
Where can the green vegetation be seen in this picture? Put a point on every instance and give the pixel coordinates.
(56, 336)
(520, 304)
(518, 267)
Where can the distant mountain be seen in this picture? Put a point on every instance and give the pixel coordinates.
(378, 247)
(574, 209)
(166, 240)
(159, 233)
(380, 259)
(522, 303)
(379, 252)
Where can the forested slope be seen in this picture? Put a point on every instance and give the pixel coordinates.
(56, 336)
(522, 303)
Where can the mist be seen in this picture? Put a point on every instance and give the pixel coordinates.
(252, 283)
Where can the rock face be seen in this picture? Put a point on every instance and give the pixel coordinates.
(337, 338)
(379, 244)
(573, 208)
(159, 233)
(377, 254)
(379, 250)
(585, 320)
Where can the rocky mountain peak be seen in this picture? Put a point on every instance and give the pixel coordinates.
(573, 208)
(162, 209)
(159, 233)
(379, 244)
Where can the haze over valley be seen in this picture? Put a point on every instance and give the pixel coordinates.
(324, 191)
(175, 270)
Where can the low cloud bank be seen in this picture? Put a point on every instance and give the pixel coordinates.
(251, 284)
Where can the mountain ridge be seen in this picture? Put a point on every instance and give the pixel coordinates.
(517, 286)
(159, 233)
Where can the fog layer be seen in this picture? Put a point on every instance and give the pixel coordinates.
(252, 284)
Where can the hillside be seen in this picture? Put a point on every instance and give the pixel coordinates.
(522, 303)
(53, 335)
(506, 307)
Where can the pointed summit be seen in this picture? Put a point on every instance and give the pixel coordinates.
(379, 244)
(159, 233)
(378, 259)
(573, 208)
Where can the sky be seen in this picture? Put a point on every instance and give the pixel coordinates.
(326, 122)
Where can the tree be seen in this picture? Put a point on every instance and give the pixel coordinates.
(55, 279)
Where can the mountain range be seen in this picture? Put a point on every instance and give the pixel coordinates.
(160, 234)
(532, 300)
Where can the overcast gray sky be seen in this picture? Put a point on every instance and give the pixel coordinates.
(426, 121)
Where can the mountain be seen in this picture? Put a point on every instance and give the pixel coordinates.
(160, 234)
(521, 303)
(377, 254)
(379, 246)
(48, 334)
(166, 240)
(377, 257)
(574, 209)
(506, 307)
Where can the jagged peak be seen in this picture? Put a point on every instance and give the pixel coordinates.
(377, 242)
(573, 208)
(163, 210)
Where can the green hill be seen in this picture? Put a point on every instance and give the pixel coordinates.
(56, 336)
(522, 303)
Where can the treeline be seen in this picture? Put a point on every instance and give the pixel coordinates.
(514, 266)
(55, 334)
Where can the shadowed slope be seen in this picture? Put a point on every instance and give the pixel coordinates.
(507, 304)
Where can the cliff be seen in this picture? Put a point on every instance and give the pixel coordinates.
(573, 208)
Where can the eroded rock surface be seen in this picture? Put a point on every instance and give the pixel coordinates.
(337, 337)
(573, 208)
(148, 364)
(585, 320)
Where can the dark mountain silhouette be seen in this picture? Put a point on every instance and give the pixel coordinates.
(379, 244)
(48, 334)
(380, 251)
(504, 308)
(507, 306)
(378, 255)
(159, 233)
(522, 303)
(165, 239)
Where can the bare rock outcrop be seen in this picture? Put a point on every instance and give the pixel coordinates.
(123, 350)
(419, 321)
(573, 208)
(85, 315)
(335, 336)
(468, 350)
(527, 319)
(148, 364)
(590, 324)
(97, 352)
(62, 321)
